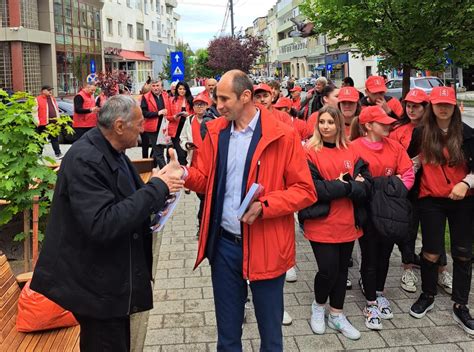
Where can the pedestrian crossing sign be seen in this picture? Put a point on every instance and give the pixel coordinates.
(177, 72)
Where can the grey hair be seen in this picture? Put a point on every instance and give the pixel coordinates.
(322, 80)
(115, 107)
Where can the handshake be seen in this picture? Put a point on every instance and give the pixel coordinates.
(171, 174)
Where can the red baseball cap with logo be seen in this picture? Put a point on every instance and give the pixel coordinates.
(203, 98)
(375, 84)
(348, 94)
(440, 95)
(283, 102)
(262, 86)
(296, 89)
(375, 114)
(417, 96)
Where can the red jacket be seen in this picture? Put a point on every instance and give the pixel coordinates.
(175, 108)
(41, 110)
(282, 116)
(311, 124)
(151, 124)
(402, 134)
(269, 243)
(89, 119)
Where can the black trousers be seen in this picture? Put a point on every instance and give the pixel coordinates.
(201, 207)
(158, 151)
(375, 253)
(433, 215)
(110, 335)
(54, 140)
(80, 131)
(330, 280)
(182, 154)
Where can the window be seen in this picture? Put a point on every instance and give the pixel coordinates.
(139, 31)
(147, 34)
(119, 28)
(129, 3)
(110, 30)
(130, 30)
(157, 6)
(368, 71)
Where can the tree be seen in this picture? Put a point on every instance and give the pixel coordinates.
(201, 64)
(187, 53)
(408, 34)
(237, 52)
(111, 82)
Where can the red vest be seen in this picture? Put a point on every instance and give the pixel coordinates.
(176, 108)
(151, 124)
(43, 111)
(89, 119)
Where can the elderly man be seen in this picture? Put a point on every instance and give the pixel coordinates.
(210, 86)
(248, 145)
(85, 110)
(97, 256)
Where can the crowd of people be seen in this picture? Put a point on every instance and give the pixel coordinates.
(356, 168)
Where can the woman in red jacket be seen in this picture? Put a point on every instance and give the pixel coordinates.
(181, 107)
(332, 235)
(444, 148)
(385, 157)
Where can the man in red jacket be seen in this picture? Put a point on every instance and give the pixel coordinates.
(248, 145)
(46, 111)
(85, 110)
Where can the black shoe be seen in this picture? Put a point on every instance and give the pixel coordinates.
(462, 316)
(421, 306)
(351, 263)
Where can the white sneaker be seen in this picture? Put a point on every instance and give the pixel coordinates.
(340, 323)
(372, 317)
(409, 280)
(318, 325)
(291, 275)
(287, 319)
(445, 280)
(348, 284)
(384, 307)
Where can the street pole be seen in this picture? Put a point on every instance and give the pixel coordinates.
(231, 7)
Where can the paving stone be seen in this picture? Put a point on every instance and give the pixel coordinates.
(438, 348)
(467, 346)
(207, 292)
(246, 346)
(404, 320)
(197, 282)
(369, 339)
(155, 321)
(151, 349)
(305, 298)
(168, 307)
(199, 305)
(394, 349)
(311, 343)
(250, 331)
(164, 336)
(443, 334)
(184, 272)
(441, 317)
(201, 334)
(183, 240)
(190, 246)
(161, 274)
(169, 283)
(404, 337)
(299, 286)
(173, 247)
(299, 327)
(183, 320)
(195, 347)
(290, 300)
(210, 318)
(184, 255)
(171, 264)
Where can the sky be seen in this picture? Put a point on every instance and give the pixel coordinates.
(201, 20)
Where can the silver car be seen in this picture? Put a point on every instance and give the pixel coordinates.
(394, 86)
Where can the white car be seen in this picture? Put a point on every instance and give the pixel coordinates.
(197, 90)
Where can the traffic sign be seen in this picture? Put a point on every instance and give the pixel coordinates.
(90, 78)
(177, 66)
(329, 67)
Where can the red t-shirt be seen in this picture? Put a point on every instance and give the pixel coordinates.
(390, 159)
(311, 124)
(403, 134)
(281, 116)
(439, 180)
(339, 225)
(300, 127)
(296, 104)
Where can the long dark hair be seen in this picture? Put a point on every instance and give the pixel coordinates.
(405, 120)
(188, 96)
(433, 140)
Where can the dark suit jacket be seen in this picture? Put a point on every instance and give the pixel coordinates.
(96, 258)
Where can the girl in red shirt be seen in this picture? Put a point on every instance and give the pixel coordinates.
(332, 236)
(329, 97)
(445, 150)
(385, 157)
(348, 103)
(181, 108)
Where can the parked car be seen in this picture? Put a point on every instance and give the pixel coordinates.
(66, 107)
(394, 86)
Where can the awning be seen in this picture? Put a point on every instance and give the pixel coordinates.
(134, 55)
(320, 67)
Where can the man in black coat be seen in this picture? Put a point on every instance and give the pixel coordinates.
(97, 255)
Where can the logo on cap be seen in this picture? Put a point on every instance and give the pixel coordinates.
(444, 93)
(347, 91)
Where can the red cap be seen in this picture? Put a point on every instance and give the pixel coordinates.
(417, 96)
(296, 89)
(375, 114)
(348, 94)
(262, 86)
(283, 102)
(375, 84)
(203, 98)
(441, 95)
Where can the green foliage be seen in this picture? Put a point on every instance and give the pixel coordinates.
(23, 171)
(19, 237)
(407, 33)
(187, 53)
(80, 67)
(201, 64)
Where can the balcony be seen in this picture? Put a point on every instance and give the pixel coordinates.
(285, 26)
(286, 41)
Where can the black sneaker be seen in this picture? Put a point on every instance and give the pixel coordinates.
(351, 263)
(462, 316)
(421, 306)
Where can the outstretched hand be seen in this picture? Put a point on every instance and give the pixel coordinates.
(171, 174)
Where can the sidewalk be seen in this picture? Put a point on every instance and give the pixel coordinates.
(183, 315)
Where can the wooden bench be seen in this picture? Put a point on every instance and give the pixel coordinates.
(65, 339)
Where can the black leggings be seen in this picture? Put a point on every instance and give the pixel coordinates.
(330, 280)
(375, 253)
(433, 215)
